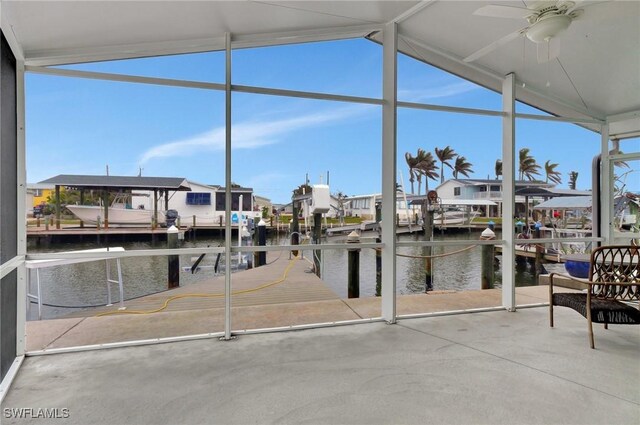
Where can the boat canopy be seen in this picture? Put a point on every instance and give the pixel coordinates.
(460, 202)
(565, 202)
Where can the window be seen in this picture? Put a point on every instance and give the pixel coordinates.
(495, 188)
(37, 193)
(483, 188)
(456, 191)
(235, 201)
(198, 198)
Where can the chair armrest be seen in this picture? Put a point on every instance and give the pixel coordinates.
(575, 279)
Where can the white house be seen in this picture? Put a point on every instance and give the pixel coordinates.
(491, 190)
(204, 205)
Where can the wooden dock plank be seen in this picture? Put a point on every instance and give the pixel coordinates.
(259, 286)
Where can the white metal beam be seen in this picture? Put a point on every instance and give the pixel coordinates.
(389, 153)
(606, 187)
(53, 57)
(227, 191)
(412, 11)
(10, 36)
(508, 192)
(21, 290)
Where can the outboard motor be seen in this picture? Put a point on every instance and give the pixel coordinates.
(170, 217)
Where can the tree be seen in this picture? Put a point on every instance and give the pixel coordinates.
(462, 167)
(302, 190)
(552, 174)
(444, 156)
(427, 167)
(411, 162)
(414, 167)
(528, 166)
(498, 168)
(573, 179)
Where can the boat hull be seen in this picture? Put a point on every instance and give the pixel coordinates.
(117, 216)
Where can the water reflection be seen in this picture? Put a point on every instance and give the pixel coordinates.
(84, 284)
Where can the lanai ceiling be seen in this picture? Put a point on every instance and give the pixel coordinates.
(596, 74)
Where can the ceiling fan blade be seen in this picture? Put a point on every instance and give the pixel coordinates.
(581, 4)
(548, 51)
(491, 47)
(504, 11)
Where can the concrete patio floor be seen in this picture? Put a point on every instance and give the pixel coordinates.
(483, 368)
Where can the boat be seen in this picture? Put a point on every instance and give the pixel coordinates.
(120, 213)
(452, 216)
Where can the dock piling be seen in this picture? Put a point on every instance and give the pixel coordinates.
(262, 241)
(173, 277)
(317, 235)
(378, 268)
(295, 227)
(488, 255)
(353, 268)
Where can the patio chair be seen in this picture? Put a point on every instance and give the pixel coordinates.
(612, 289)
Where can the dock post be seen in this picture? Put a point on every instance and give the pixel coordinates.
(539, 268)
(46, 224)
(427, 219)
(173, 277)
(487, 277)
(81, 203)
(353, 269)
(317, 235)
(58, 210)
(105, 203)
(295, 227)
(378, 269)
(262, 241)
(178, 224)
(98, 223)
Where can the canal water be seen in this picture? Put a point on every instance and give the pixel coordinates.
(84, 284)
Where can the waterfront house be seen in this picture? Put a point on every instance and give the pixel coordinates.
(204, 205)
(487, 189)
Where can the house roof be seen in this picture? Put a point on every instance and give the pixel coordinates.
(595, 74)
(118, 182)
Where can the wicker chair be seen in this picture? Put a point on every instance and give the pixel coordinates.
(613, 286)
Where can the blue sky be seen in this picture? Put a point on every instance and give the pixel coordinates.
(79, 126)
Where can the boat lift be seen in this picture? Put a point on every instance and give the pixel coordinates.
(40, 264)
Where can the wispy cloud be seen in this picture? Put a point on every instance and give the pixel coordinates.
(249, 135)
(447, 90)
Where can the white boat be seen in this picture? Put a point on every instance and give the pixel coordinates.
(454, 216)
(117, 216)
(120, 213)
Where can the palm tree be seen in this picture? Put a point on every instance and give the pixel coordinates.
(552, 174)
(444, 156)
(528, 166)
(573, 179)
(498, 168)
(427, 167)
(411, 162)
(462, 167)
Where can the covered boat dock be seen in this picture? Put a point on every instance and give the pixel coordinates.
(161, 186)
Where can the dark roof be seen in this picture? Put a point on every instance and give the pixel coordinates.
(235, 189)
(551, 192)
(119, 182)
(499, 181)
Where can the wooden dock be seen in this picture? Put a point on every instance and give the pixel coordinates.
(258, 286)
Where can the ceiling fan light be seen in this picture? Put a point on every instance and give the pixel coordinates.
(548, 27)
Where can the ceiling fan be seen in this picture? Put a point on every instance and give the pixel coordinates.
(547, 20)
